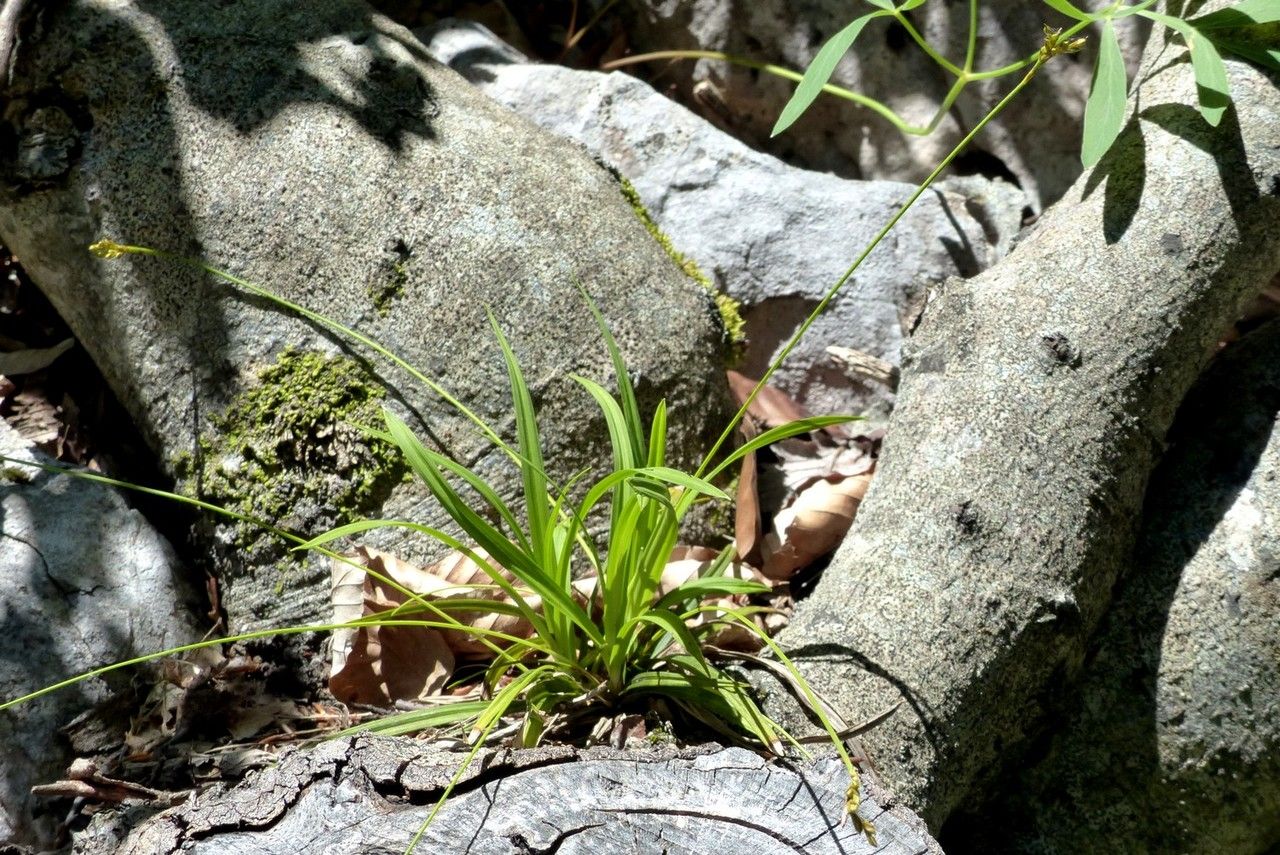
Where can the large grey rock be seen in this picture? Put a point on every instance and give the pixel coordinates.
(1034, 400)
(314, 148)
(770, 235)
(1173, 740)
(368, 795)
(84, 581)
(1036, 140)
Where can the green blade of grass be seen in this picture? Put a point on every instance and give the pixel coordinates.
(658, 436)
(673, 477)
(402, 724)
(710, 586)
(626, 393)
(111, 249)
(530, 445)
(777, 434)
(714, 692)
(624, 456)
(486, 492)
(290, 537)
(1105, 109)
(212, 642)
(523, 566)
(821, 69)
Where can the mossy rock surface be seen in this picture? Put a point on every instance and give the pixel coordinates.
(291, 450)
(327, 158)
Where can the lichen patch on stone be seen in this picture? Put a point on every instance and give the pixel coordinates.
(289, 450)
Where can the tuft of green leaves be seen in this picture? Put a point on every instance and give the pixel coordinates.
(627, 643)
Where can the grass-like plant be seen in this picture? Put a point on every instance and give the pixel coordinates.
(583, 658)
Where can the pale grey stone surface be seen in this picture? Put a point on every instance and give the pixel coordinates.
(85, 581)
(770, 235)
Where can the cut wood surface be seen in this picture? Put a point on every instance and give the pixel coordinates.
(371, 795)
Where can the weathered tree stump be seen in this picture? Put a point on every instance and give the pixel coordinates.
(372, 795)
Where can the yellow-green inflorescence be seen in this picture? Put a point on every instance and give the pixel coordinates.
(289, 449)
(730, 309)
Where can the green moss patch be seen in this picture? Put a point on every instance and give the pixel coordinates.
(385, 292)
(730, 309)
(289, 451)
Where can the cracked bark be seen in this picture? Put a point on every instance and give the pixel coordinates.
(371, 795)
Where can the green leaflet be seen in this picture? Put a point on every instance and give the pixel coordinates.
(1242, 14)
(1105, 109)
(1211, 74)
(821, 69)
(1067, 9)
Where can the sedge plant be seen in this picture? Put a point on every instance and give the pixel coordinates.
(624, 644)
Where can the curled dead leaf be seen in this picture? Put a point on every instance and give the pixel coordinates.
(747, 526)
(813, 525)
(379, 665)
(390, 663)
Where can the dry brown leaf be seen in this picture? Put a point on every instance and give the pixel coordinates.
(747, 527)
(772, 407)
(804, 462)
(390, 663)
(379, 665)
(813, 525)
(35, 418)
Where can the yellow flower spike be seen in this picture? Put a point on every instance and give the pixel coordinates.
(852, 800)
(1054, 44)
(109, 249)
(106, 249)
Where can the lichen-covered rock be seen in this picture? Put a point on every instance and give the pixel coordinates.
(315, 149)
(1036, 140)
(1033, 404)
(84, 580)
(1172, 743)
(771, 236)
